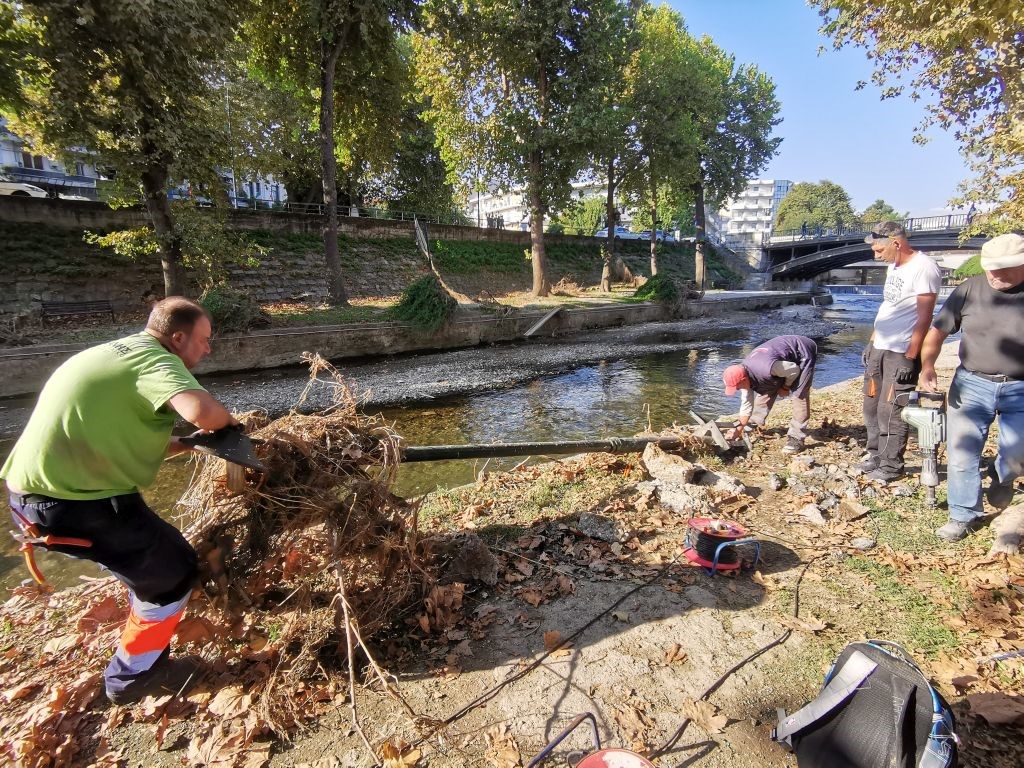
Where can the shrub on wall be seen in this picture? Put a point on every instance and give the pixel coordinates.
(659, 288)
(424, 304)
(233, 311)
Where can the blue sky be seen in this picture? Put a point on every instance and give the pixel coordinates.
(831, 131)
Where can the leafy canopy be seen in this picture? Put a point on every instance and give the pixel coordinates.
(825, 204)
(880, 211)
(964, 59)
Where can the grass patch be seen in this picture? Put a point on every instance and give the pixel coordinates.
(907, 524)
(912, 618)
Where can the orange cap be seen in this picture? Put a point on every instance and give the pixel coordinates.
(734, 375)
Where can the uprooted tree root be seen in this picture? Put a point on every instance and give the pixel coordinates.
(321, 527)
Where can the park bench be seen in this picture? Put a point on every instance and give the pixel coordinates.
(77, 308)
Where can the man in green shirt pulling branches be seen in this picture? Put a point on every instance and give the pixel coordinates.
(99, 432)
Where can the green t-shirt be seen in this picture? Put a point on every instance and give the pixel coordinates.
(102, 423)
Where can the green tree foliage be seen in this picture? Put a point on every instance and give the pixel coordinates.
(880, 211)
(666, 82)
(512, 89)
(611, 126)
(14, 39)
(136, 85)
(969, 268)
(825, 205)
(735, 136)
(582, 217)
(207, 245)
(425, 304)
(671, 214)
(966, 60)
(304, 48)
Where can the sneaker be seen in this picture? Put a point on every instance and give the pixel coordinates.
(868, 464)
(793, 445)
(170, 678)
(883, 476)
(954, 530)
(999, 495)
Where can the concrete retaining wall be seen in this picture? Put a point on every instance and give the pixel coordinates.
(23, 371)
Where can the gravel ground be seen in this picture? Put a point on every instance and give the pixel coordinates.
(406, 379)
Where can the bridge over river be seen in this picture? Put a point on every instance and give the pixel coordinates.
(803, 254)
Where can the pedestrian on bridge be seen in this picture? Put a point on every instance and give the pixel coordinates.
(891, 358)
(781, 366)
(988, 311)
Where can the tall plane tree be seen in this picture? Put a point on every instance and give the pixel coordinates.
(665, 81)
(512, 89)
(739, 111)
(303, 47)
(134, 83)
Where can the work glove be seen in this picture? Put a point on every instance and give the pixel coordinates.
(904, 375)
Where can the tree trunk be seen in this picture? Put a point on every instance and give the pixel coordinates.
(701, 236)
(608, 252)
(329, 53)
(654, 226)
(154, 185)
(541, 287)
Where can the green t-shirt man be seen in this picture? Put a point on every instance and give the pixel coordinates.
(102, 423)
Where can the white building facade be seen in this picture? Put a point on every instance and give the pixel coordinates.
(81, 180)
(746, 220)
(511, 209)
(18, 163)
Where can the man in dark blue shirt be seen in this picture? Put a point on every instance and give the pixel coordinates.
(783, 365)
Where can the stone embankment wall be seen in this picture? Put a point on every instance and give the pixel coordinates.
(43, 257)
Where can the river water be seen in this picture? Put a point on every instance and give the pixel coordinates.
(613, 398)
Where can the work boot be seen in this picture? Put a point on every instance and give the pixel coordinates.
(793, 445)
(868, 464)
(883, 475)
(168, 677)
(955, 530)
(999, 495)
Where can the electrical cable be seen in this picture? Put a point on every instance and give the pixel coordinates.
(674, 738)
(493, 691)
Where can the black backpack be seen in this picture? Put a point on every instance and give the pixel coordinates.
(876, 710)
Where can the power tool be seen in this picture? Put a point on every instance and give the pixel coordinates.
(930, 423)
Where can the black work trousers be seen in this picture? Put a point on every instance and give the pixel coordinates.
(884, 399)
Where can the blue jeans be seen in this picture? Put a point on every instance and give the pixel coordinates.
(974, 403)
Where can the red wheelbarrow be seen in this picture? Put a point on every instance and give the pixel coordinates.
(599, 758)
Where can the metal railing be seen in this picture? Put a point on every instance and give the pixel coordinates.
(952, 221)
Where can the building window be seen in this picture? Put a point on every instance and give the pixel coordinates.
(28, 160)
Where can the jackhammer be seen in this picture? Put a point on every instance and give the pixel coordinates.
(930, 423)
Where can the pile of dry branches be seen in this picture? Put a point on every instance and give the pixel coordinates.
(317, 539)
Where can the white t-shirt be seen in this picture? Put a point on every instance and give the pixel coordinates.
(896, 318)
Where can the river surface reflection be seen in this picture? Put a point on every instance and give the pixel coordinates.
(612, 398)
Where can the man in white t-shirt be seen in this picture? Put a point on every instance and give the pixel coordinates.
(892, 358)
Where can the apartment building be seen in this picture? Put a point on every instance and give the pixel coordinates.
(745, 220)
(510, 209)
